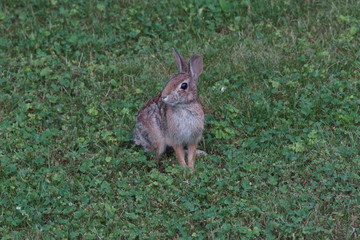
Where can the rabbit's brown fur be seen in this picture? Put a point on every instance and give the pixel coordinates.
(175, 116)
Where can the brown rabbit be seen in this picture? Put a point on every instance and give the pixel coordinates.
(175, 116)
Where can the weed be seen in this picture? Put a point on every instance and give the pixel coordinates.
(281, 94)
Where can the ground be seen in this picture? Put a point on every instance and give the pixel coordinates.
(280, 90)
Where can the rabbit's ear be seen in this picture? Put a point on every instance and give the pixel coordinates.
(181, 62)
(196, 66)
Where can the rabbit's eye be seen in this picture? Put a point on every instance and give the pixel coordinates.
(184, 85)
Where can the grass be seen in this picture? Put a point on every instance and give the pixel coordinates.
(280, 90)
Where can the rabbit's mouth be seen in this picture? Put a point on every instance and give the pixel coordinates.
(172, 101)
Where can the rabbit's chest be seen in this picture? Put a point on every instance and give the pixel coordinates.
(185, 126)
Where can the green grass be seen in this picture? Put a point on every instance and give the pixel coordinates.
(280, 89)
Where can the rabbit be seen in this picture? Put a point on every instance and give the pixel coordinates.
(175, 116)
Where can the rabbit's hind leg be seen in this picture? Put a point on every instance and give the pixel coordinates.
(159, 150)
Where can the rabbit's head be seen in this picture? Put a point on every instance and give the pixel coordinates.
(182, 88)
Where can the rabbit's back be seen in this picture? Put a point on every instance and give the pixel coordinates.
(150, 125)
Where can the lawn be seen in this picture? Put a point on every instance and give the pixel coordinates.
(281, 95)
